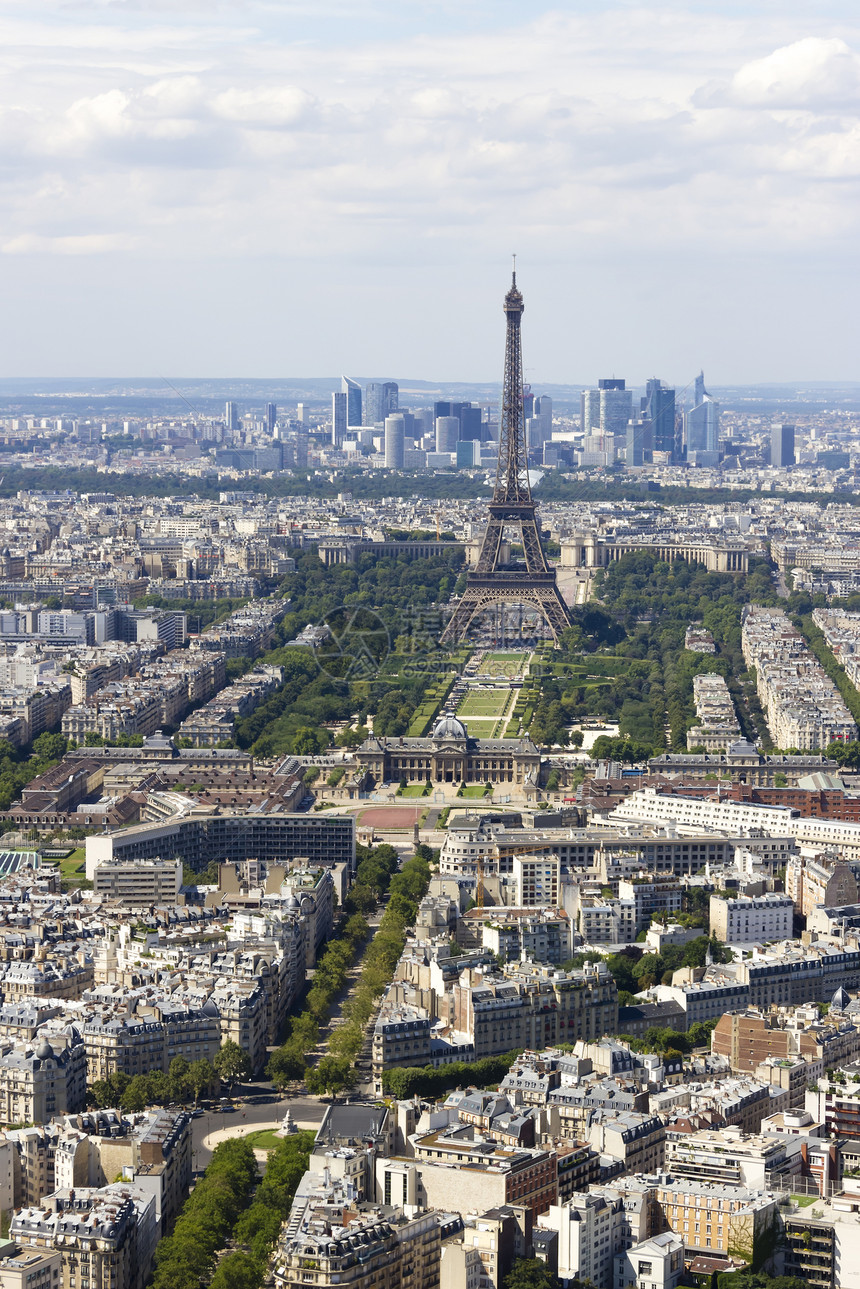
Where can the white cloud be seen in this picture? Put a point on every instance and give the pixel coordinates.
(269, 106)
(83, 244)
(815, 73)
(184, 131)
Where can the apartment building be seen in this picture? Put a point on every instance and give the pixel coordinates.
(141, 1043)
(750, 1038)
(576, 1105)
(716, 726)
(359, 1246)
(606, 921)
(542, 935)
(821, 882)
(273, 838)
(106, 1235)
(38, 1081)
(216, 719)
(153, 1152)
(119, 708)
(836, 1103)
(841, 630)
(704, 1000)
(713, 1217)
(637, 1140)
(27, 1268)
(650, 898)
(586, 1242)
(457, 1160)
(657, 1263)
(802, 706)
(729, 1156)
(537, 880)
(139, 882)
(822, 1244)
(607, 853)
(746, 918)
(401, 1037)
(791, 976)
(65, 977)
(533, 1006)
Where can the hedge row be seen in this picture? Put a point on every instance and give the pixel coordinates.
(427, 1081)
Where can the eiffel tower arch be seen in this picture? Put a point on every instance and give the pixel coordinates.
(493, 583)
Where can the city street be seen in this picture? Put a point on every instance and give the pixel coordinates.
(307, 1112)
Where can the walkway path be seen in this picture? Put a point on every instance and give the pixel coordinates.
(215, 1126)
(243, 1129)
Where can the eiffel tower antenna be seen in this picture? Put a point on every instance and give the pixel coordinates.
(494, 582)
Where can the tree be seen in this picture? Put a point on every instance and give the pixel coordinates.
(180, 1083)
(333, 1074)
(201, 1077)
(352, 738)
(51, 747)
(307, 742)
(136, 1095)
(237, 1271)
(99, 1093)
(530, 1273)
(231, 1062)
(286, 1065)
(648, 970)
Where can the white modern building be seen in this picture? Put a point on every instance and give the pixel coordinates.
(747, 919)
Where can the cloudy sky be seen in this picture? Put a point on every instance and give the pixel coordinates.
(280, 188)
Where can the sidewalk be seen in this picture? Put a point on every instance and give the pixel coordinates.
(240, 1129)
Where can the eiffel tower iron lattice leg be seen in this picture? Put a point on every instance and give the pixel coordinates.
(493, 582)
(478, 599)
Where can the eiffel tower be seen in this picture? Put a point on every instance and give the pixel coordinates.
(492, 582)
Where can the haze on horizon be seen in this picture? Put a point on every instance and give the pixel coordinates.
(241, 188)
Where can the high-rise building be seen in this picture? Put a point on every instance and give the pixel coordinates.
(658, 407)
(782, 445)
(447, 433)
(606, 410)
(616, 406)
(589, 406)
(468, 416)
(703, 427)
(395, 429)
(380, 400)
(468, 454)
(339, 413)
(271, 418)
(352, 389)
(302, 413)
(637, 442)
(423, 422)
(471, 425)
(231, 416)
(539, 425)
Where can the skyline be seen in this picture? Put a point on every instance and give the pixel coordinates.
(253, 189)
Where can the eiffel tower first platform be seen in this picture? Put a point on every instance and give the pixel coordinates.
(492, 582)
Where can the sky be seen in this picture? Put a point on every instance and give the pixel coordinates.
(277, 188)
